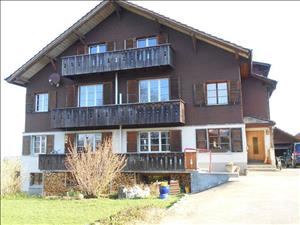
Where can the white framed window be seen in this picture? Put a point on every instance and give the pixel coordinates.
(41, 102)
(146, 42)
(36, 179)
(154, 90)
(39, 144)
(154, 141)
(98, 48)
(217, 93)
(88, 139)
(91, 95)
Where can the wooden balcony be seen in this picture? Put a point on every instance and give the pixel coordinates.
(136, 162)
(161, 55)
(154, 113)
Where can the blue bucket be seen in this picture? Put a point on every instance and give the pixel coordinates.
(164, 192)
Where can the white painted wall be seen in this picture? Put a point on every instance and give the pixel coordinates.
(29, 164)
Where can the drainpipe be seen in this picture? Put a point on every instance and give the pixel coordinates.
(120, 141)
(116, 88)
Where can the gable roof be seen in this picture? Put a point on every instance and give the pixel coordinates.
(96, 16)
(281, 136)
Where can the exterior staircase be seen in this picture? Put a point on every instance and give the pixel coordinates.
(261, 167)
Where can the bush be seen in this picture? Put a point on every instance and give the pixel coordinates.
(10, 177)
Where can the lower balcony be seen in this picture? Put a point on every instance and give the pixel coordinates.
(136, 162)
(135, 114)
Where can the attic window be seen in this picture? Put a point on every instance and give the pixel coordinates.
(99, 48)
(146, 42)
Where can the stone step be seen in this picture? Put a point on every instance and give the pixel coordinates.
(261, 167)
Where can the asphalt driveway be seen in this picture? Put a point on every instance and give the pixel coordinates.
(259, 198)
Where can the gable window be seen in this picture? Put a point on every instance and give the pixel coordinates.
(154, 141)
(91, 95)
(146, 42)
(154, 90)
(36, 179)
(41, 102)
(84, 140)
(219, 139)
(99, 48)
(39, 144)
(217, 93)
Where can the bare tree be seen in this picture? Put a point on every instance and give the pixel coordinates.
(94, 170)
(10, 177)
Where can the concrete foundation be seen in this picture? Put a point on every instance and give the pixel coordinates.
(201, 181)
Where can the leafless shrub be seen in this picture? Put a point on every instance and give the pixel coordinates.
(10, 176)
(94, 170)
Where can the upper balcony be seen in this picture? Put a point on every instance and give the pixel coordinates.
(128, 59)
(152, 113)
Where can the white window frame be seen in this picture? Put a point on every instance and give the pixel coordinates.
(149, 141)
(147, 41)
(86, 95)
(94, 139)
(149, 89)
(40, 98)
(40, 145)
(98, 48)
(217, 93)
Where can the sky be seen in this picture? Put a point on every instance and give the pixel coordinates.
(271, 29)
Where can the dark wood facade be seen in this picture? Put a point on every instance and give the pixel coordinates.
(192, 63)
(154, 113)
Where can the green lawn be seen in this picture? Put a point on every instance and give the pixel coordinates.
(55, 211)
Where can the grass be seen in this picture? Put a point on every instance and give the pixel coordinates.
(35, 210)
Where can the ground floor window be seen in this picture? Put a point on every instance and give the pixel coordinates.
(36, 179)
(220, 140)
(84, 140)
(154, 141)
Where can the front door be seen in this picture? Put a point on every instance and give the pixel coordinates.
(256, 145)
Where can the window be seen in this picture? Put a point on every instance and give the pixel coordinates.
(84, 140)
(91, 95)
(41, 102)
(99, 48)
(146, 42)
(219, 139)
(39, 144)
(155, 141)
(154, 90)
(36, 179)
(255, 145)
(217, 93)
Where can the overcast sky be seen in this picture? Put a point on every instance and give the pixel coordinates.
(271, 29)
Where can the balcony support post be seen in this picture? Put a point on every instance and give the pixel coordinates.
(116, 88)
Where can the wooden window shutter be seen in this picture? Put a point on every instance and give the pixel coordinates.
(130, 43)
(132, 91)
(26, 145)
(236, 140)
(199, 94)
(106, 136)
(30, 102)
(175, 141)
(50, 144)
(162, 38)
(69, 142)
(132, 141)
(52, 99)
(234, 92)
(175, 88)
(201, 139)
(71, 96)
(110, 46)
(107, 93)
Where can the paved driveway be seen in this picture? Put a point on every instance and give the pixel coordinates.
(259, 198)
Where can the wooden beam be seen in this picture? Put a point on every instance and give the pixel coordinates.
(81, 37)
(194, 41)
(236, 55)
(53, 62)
(117, 8)
(158, 25)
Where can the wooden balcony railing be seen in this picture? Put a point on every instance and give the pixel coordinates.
(169, 112)
(136, 162)
(161, 55)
